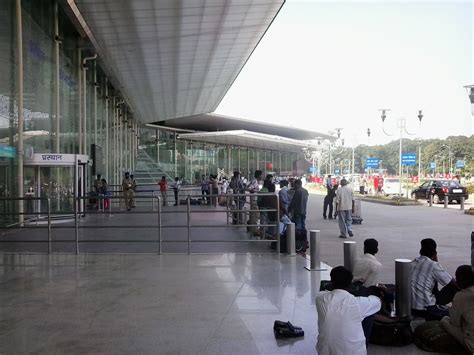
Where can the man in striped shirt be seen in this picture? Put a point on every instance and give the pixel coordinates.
(427, 301)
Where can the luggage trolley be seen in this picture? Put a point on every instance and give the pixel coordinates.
(357, 214)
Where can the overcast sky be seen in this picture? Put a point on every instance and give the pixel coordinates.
(327, 64)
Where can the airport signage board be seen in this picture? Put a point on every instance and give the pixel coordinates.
(372, 162)
(433, 165)
(7, 151)
(460, 163)
(409, 159)
(51, 159)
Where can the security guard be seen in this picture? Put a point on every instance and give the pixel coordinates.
(128, 193)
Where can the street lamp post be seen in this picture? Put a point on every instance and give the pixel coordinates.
(401, 125)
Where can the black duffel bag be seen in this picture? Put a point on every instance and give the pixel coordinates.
(391, 331)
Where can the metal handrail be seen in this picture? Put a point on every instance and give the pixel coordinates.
(21, 224)
(78, 212)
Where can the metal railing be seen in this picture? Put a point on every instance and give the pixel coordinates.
(80, 216)
(25, 224)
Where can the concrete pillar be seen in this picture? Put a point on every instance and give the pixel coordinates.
(290, 240)
(350, 254)
(403, 287)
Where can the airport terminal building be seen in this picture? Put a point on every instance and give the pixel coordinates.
(99, 87)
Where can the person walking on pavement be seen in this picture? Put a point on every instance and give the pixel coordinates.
(127, 186)
(163, 189)
(344, 198)
(253, 187)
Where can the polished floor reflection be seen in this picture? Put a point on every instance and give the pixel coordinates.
(150, 304)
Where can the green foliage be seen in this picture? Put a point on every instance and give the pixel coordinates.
(458, 147)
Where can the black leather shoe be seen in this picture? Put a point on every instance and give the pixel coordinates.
(281, 324)
(287, 331)
(350, 234)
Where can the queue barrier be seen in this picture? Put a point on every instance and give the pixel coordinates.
(79, 215)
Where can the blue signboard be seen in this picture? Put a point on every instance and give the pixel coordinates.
(433, 165)
(372, 162)
(346, 171)
(7, 151)
(460, 164)
(337, 171)
(313, 170)
(408, 159)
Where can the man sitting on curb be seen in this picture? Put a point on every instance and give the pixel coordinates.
(367, 267)
(427, 273)
(340, 316)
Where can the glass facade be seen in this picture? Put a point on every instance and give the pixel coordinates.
(70, 105)
(195, 158)
(83, 105)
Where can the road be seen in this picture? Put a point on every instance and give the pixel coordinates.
(399, 230)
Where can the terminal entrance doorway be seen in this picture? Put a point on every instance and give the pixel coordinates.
(59, 177)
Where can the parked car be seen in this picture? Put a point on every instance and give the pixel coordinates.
(391, 186)
(439, 189)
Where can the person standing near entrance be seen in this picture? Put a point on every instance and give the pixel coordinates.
(254, 187)
(344, 198)
(127, 187)
(176, 188)
(298, 205)
(163, 189)
(134, 189)
(205, 189)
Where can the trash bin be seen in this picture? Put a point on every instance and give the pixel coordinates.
(362, 190)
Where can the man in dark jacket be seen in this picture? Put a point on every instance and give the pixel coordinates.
(298, 205)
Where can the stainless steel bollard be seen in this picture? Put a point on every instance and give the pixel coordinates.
(315, 261)
(403, 287)
(446, 201)
(462, 203)
(472, 248)
(350, 253)
(430, 200)
(290, 239)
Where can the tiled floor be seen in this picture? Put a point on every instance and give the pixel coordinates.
(210, 304)
(222, 303)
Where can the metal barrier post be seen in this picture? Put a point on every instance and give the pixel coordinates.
(290, 240)
(472, 248)
(403, 287)
(446, 201)
(350, 253)
(462, 203)
(76, 225)
(315, 261)
(188, 212)
(430, 200)
(159, 225)
(49, 226)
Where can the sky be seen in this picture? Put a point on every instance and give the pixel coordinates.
(331, 64)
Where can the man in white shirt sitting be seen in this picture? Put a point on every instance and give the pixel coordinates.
(340, 316)
(367, 267)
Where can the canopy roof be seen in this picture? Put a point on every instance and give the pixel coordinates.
(174, 58)
(249, 139)
(214, 122)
